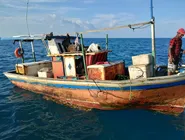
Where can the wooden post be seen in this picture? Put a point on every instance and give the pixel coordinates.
(106, 41)
(84, 58)
(20, 44)
(33, 51)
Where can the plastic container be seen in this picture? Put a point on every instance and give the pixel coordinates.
(140, 71)
(142, 59)
(45, 73)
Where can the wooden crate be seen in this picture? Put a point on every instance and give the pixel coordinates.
(106, 71)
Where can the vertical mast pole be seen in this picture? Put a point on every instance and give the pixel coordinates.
(84, 56)
(153, 36)
(106, 41)
(33, 51)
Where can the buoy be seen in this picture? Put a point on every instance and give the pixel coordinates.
(18, 53)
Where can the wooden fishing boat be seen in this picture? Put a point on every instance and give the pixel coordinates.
(88, 80)
(161, 93)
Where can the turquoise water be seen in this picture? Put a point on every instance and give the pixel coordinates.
(26, 116)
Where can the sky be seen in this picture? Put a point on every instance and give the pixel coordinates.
(70, 16)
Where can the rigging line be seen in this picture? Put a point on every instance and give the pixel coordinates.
(27, 18)
(97, 86)
(116, 27)
(130, 95)
(140, 27)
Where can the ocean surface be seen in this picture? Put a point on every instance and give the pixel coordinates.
(25, 115)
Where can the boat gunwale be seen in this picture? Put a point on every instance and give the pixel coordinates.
(111, 83)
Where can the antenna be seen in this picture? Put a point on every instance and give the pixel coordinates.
(27, 18)
(151, 8)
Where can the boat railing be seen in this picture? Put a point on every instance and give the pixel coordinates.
(77, 53)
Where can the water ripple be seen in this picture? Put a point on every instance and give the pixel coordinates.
(26, 115)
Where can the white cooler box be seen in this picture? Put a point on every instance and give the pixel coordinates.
(140, 71)
(142, 59)
(45, 73)
(32, 68)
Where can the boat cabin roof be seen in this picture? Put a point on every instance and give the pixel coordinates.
(31, 38)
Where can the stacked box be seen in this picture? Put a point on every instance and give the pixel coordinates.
(142, 66)
(142, 59)
(106, 71)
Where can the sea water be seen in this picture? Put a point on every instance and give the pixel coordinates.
(25, 115)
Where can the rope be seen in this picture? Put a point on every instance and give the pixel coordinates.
(141, 27)
(27, 18)
(130, 95)
(141, 74)
(97, 86)
(94, 94)
(103, 92)
(117, 27)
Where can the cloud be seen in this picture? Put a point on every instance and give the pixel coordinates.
(44, 18)
(88, 1)
(52, 16)
(30, 1)
(60, 24)
(77, 24)
(20, 6)
(41, 1)
(23, 6)
(42, 23)
(34, 5)
(111, 20)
